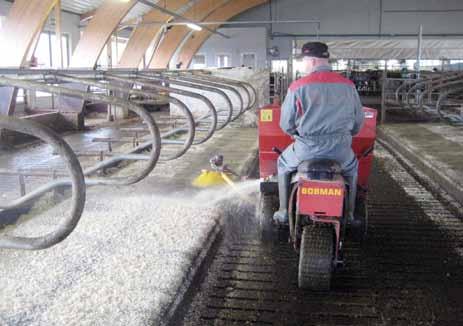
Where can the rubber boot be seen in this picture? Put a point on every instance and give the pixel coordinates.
(352, 181)
(281, 216)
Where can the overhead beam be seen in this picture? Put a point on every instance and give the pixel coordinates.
(241, 22)
(99, 30)
(226, 12)
(143, 35)
(177, 16)
(94, 38)
(87, 16)
(25, 20)
(174, 37)
(58, 33)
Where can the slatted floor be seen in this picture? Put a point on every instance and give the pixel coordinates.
(409, 271)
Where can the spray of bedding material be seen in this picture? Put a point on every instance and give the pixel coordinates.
(235, 201)
(237, 206)
(244, 191)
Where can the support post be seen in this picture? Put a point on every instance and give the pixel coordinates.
(419, 52)
(58, 34)
(418, 61)
(383, 94)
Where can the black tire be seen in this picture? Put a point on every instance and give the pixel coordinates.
(316, 258)
(265, 210)
(360, 231)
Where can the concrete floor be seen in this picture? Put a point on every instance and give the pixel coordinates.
(436, 148)
(131, 255)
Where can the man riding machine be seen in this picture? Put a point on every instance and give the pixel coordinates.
(317, 174)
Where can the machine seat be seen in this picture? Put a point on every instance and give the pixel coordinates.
(320, 169)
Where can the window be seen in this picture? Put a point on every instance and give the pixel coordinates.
(199, 61)
(47, 51)
(339, 64)
(55, 55)
(118, 46)
(42, 52)
(280, 66)
(223, 61)
(248, 60)
(149, 53)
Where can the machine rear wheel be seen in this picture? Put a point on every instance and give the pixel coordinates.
(265, 210)
(359, 232)
(316, 258)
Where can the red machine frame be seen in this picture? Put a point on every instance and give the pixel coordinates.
(271, 136)
(319, 201)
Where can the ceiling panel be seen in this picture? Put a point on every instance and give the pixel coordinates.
(82, 6)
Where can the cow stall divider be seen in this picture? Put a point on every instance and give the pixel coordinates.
(230, 89)
(435, 95)
(224, 112)
(156, 136)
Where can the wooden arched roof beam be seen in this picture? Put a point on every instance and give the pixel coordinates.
(25, 21)
(174, 37)
(143, 35)
(196, 40)
(98, 31)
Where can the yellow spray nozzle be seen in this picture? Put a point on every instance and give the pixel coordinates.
(209, 179)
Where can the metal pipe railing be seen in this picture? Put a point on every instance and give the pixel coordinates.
(188, 126)
(452, 118)
(119, 88)
(149, 84)
(142, 113)
(428, 84)
(431, 94)
(170, 81)
(253, 98)
(77, 183)
(228, 88)
(215, 79)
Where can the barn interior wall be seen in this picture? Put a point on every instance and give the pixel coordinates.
(70, 23)
(360, 19)
(243, 41)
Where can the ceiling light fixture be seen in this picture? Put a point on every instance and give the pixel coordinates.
(194, 27)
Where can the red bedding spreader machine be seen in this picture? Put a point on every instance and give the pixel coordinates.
(318, 199)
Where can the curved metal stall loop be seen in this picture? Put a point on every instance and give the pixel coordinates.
(426, 85)
(223, 115)
(234, 83)
(154, 143)
(401, 91)
(237, 86)
(76, 182)
(452, 118)
(239, 83)
(205, 124)
(436, 90)
(186, 121)
(240, 107)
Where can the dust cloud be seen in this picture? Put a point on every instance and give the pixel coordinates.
(236, 205)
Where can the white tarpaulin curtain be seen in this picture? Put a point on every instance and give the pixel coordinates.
(394, 49)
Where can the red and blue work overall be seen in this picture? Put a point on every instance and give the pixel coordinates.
(322, 111)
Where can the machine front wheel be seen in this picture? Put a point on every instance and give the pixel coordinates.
(316, 258)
